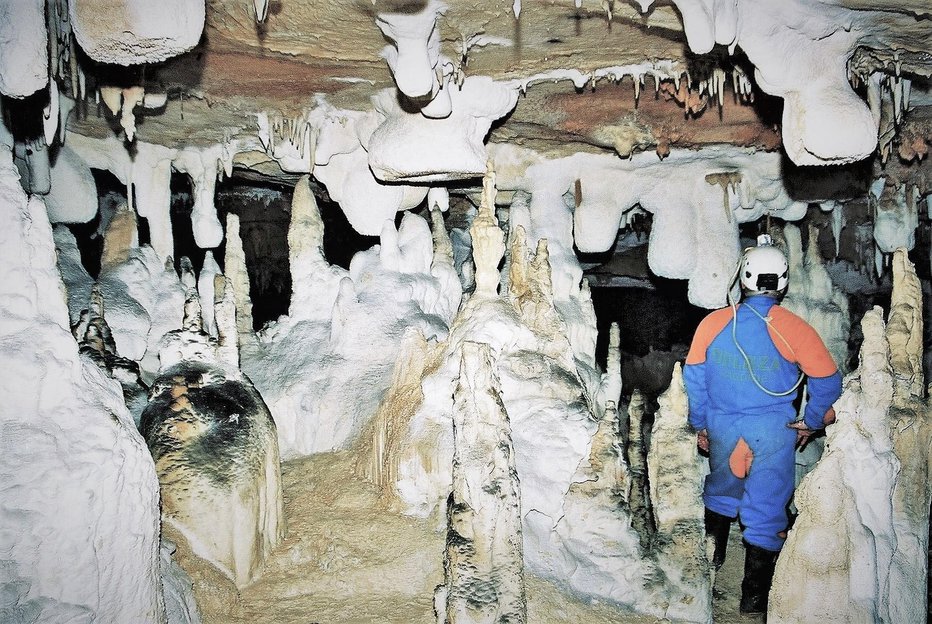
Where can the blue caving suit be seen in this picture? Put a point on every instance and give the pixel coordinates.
(751, 449)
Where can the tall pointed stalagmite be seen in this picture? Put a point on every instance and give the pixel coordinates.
(483, 565)
(488, 240)
(675, 473)
(234, 264)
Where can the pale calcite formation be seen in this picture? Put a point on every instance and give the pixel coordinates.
(72, 197)
(95, 341)
(694, 230)
(146, 170)
(315, 283)
(128, 32)
(121, 237)
(415, 48)
(379, 449)
(215, 446)
(324, 368)
(675, 472)
(205, 289)
(77, 281)
(570, 467)
(483, 563)
(334, 146)
(24, 67)
(404, 146)
(799, 50)
(234, 262)
(812, 295)
(488, 240)
(858, 551)
(145, 301)
(76, 481)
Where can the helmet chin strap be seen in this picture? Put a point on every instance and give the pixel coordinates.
(747, 360)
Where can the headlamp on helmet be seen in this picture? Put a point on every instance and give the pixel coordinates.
(764, 268)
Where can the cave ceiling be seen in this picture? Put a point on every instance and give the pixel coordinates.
(561, 55)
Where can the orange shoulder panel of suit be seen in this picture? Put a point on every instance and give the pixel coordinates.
(710, 327)
(805, 346)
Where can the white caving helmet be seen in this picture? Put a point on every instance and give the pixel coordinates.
(764, 268)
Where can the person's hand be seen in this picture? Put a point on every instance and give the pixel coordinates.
(702, 440)
(803, 433)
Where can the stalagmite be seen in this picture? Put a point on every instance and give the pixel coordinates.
(676, 481)
(483, 564)
(224, 304)
(904, 331)
(234, 263)
(488, 240)
(638, 494)
(95, 340)
(858, 550)
(122, 235)
(64, 428)
(205, 289)
(812, 295)
(215, 448)
(610, 388)
(23, 47)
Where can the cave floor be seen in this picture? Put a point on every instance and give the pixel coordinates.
(346, 560)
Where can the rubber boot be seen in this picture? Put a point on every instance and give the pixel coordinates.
(717, 527)
(759, 564)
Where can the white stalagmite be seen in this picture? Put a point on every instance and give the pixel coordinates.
(215, 446)
(73, 194)
(225, 319)
(64, 432)
(234, 263)
(488, 240)
(205, 288)
(121, 237)
(130, 32)
(858, 550)
(314, 282)
(483, 563)
(813, 297)
(24, 67)
(676, 481)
